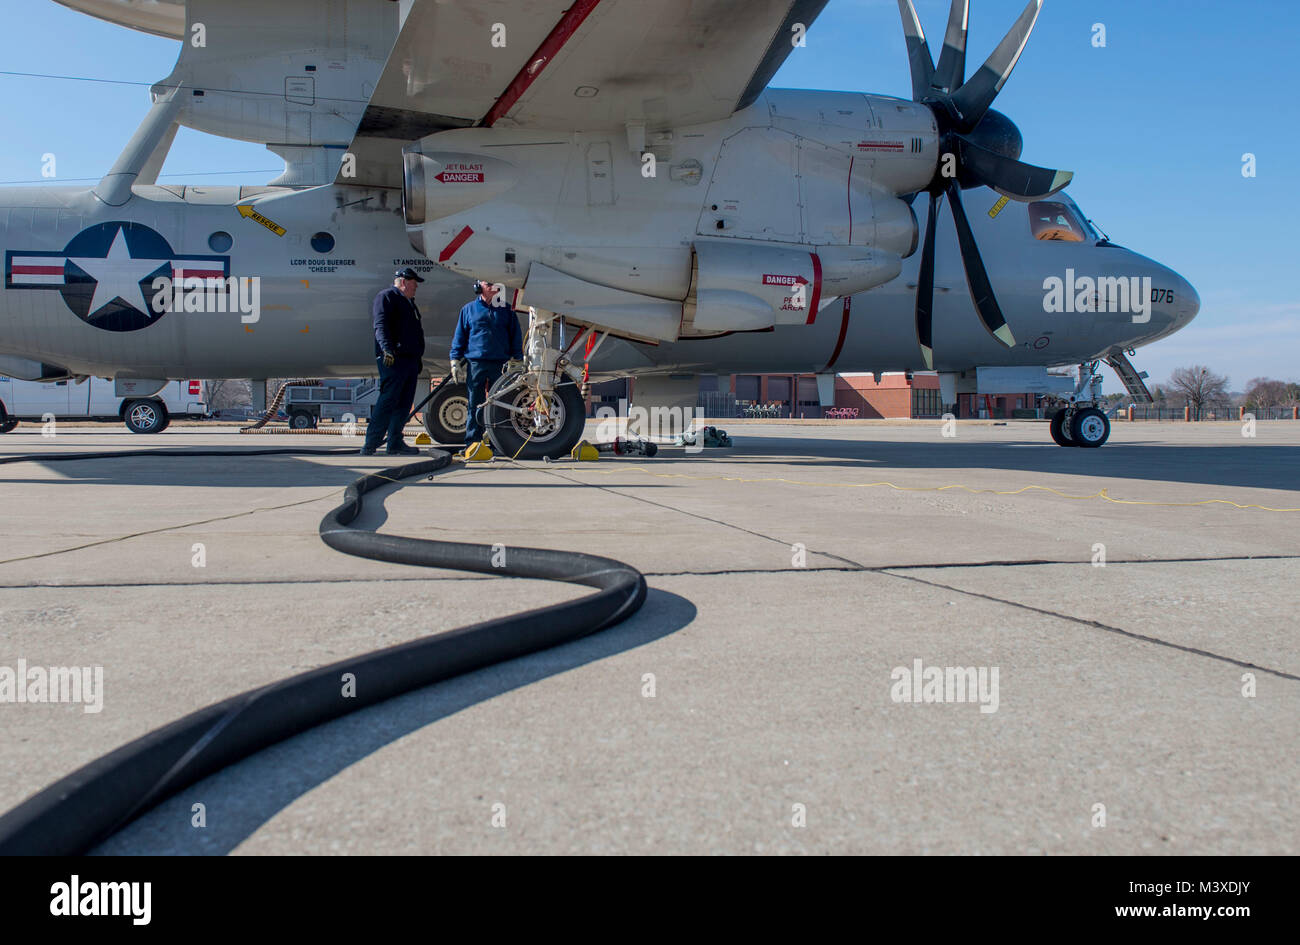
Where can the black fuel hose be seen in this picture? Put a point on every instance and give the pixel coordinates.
(74, 814)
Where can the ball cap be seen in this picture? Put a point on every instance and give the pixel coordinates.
(408, 273)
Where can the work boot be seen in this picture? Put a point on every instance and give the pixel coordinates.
(367, 451)
(403, 449)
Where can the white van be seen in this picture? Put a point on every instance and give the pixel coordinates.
(94, 398)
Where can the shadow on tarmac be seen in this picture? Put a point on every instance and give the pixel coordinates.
(240, 799)
(1251, 464)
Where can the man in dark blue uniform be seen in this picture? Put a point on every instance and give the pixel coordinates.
(487, 336)
(399, 348)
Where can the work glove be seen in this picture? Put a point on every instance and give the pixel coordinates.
(389, 359)
(514, 366)
(458, 372)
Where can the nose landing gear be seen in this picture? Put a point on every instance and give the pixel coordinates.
(1078, 422)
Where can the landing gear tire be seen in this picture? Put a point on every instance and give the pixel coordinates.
(7, 422)
(1090, 428)
(555, 436)
(1060, 431)
(302, 420)
(145, 416)
(446, 416)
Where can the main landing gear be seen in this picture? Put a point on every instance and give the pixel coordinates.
(1078, 422)
(539, 412)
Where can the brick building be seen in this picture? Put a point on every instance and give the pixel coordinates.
(897, 396)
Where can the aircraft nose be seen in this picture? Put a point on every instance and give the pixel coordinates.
(1187, 303)
(1174, 300)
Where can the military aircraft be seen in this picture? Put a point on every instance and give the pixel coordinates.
(619, 168)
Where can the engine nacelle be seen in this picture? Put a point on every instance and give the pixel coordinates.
(743, 286)
(441, 183)
(740, 224)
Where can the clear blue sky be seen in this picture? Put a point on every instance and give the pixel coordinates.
(1154, 126)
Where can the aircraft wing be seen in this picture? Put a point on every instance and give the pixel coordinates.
(571, 65)
(159, 17)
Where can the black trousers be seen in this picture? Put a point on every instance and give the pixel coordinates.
(396, 395)
(480, 377)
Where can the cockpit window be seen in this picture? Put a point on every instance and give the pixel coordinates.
(1050, 220)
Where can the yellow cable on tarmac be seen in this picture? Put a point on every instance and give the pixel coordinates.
(1102, 494)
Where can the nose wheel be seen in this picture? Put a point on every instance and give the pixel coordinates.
(1089, 428)
(1085, 427)
(1078, 422)
(1061, 428)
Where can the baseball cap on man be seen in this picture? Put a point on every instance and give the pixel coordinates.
(407, 273)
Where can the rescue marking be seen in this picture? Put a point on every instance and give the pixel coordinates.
(997, 207)
(248, 213)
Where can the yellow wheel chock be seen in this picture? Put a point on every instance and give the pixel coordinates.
(478, 452)
(584, 452)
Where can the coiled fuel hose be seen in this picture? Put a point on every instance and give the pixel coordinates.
(77, 812)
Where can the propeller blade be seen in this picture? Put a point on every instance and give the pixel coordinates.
(918, 52)
(977, 278)
(925, 288)
(951, 71)
(973, 99)
(1010, 177)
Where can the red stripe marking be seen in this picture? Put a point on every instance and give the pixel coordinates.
(37, 270)
(199, 273)
(586, 366)
(561, 34)
(844, 331)
(817, 288)
(450, 249)
(850, 190)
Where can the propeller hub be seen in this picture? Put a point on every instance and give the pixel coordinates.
(998, 133)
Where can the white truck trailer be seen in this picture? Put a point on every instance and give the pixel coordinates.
(94, 398)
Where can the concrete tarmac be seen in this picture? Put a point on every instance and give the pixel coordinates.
(1130, 612)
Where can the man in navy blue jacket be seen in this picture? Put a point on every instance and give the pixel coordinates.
(487, 336)
(399, 349)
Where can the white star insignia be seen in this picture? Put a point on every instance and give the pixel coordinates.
(118, 276)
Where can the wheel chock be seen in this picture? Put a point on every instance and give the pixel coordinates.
(423, 439)
(709, 437)
(478, 452)
(584, 452)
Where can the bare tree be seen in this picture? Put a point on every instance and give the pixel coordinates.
(226, 393)
(1264, 392)
(1199, 387)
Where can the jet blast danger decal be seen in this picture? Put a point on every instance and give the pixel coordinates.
(461, 174)
(106, 271)
(770, 279)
